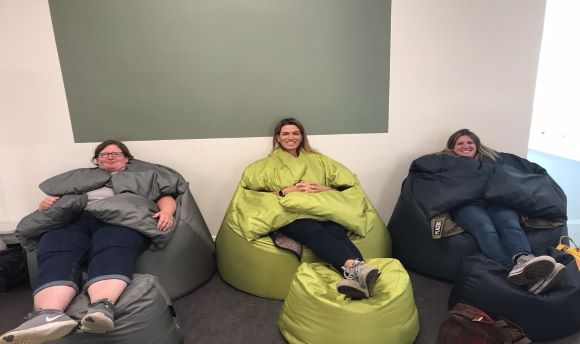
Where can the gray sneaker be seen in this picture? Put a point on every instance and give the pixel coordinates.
(99, 318)
(359, 279)
(545, 284)
(352, 289)
(42, 326)
(530, 269)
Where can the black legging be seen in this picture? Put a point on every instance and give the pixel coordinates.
(327, 239)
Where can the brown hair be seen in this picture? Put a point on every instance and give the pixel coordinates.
(292, 121)
(106, 143)
(482, 150)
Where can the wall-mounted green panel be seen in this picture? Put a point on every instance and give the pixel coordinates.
(182, 69)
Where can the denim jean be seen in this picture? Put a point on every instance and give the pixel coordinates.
(109, 250)
(496, 229)
(328, 240)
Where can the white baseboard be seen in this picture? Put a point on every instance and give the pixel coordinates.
(7, 227)
(7, 232)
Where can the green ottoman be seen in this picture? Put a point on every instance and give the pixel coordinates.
(314, 312)
(260, 268)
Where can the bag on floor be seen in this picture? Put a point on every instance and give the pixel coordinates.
(573, 251)
(470, 325)
(13, 268)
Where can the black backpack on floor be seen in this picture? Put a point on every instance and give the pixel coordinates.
(13, 268)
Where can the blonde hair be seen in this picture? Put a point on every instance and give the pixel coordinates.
(304, 145)
(482, 150)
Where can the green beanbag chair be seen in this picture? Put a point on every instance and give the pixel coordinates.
(247, 258)
(315, 312)
(260, 268)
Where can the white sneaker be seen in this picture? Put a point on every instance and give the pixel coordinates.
(42, 326)
(530, 269)
(99, 318)
(545, 284)
(358, 280)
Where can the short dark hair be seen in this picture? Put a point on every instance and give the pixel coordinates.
(109, 142)
(305, 145)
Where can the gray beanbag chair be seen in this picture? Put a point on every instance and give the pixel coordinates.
(182, 258)
(144, 314)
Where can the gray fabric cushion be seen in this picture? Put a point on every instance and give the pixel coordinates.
(76, 182)
(63, 212)
(131, 211)
(138, 177)
(143, 315)
(136, 189)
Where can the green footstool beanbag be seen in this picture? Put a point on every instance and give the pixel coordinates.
(314, 312)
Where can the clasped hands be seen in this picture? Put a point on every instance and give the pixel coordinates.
(306, 187)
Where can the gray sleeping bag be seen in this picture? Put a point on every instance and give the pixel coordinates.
(143, 314)
(135, 191)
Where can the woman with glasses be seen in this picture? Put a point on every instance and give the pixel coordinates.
(109, 249)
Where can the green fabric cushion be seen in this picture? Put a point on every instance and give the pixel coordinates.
(255, 209)
(336, 206)
(315, 312)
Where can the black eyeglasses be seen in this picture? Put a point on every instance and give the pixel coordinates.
(112, 154)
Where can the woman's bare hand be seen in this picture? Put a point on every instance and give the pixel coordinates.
(312, 187)
(47, 202)
(165, 220)
(164, 216)
(304, 187)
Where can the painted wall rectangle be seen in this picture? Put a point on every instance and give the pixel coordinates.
(182, 69)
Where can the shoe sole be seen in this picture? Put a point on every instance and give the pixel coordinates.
(40, 334)
(532, 272)
(351, 292)
(372, 277)
(356, 294)
(547, 283)
(96, 323)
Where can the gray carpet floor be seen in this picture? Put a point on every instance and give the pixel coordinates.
(217, 313)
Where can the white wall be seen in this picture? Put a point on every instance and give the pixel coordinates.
(454, 64)
(555, 120)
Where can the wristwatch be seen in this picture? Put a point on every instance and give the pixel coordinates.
(281, 193)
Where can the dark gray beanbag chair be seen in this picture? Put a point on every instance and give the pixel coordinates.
(437, 184)
(144, 314)
(414, 246)
(481, 282)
